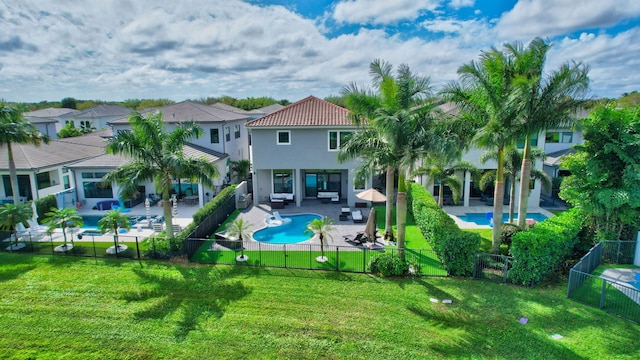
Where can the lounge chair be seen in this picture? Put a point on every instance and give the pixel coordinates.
(276, 219)
(176, 228)
(357, 216)
(34, 226)
(157, 227)
(359, 239)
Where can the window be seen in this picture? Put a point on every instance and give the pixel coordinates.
(534, 142)
(85, 125)
(43, 180)
(559, 137)
(93, 175)
(337, 139)
(284, 137)
(283, 181)
(66, 182)
(359, 184)
(227, 133)
(215, 136)
(236, 131)
(97, 189)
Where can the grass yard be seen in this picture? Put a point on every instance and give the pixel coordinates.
(73, 308)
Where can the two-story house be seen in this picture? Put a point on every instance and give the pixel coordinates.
(294, 152)
(98, 117)
(50, 120)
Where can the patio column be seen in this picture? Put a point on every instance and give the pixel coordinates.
(298, 186)
(467, 188)
(256, 195)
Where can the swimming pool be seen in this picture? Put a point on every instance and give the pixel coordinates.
(91, 221)
(481, 218)
(287, 233)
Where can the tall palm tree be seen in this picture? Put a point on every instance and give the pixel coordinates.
(512, 167)
(484, 94)
(11, 215)
(113, 220)
(390, 111)
(444, 173)
(14, 129)
(241, 169)
(547, 101)
(239, 229)
(63, 218)
(156, 154)
(321, 227)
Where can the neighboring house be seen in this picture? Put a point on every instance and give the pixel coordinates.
(91, 189)
(43, 170)
(294, 152)
(50, 120)
(266, 110)
(223, 131)
(98, 117)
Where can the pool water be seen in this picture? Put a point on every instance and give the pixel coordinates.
(288, 233)
(481, 218)
(91, 221)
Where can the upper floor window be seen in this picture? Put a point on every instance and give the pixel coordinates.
(227, 133)
(236, 131)
(215, 136)
(559, 137)
(337, 139)
(284, 137)
(533, 139)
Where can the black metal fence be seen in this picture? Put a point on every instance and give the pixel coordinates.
(616, 295)
(491, 267)
(304, 256)
(211, 223)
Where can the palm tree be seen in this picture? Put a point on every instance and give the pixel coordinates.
(512, 166)
(484, 94)
(156, 154)
(63, 218)
(392, 113)
(444, 174)
(15, 129)
(241, 169)
(239, 229)
(112, 221)
(546, 101)
(321, 227)
(11, 215)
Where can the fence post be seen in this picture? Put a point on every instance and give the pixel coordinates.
(604, 287)
(337, 258)
(475, 265)
(310, 257)
(285, 255)
(138, 248)
(506, 268)
(618, 253)
(259, 253)
(364, 261)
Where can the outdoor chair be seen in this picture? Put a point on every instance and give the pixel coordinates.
(157, 227)
(359, 239)
(357, 216)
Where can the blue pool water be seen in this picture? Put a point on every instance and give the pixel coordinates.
(91, 221)
(288, 233)
(481, 218)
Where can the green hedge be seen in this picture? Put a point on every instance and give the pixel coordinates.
(454, 247)
(539, 251)
(201, 214)
(44, 205)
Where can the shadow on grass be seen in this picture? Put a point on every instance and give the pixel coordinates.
(199, 293)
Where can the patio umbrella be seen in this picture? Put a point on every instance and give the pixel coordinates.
(147, 207)
(35, 212)
(372, 195)
(370, 228)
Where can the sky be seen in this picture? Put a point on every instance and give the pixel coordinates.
(113, 50)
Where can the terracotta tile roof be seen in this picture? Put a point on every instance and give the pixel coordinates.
(309, 111)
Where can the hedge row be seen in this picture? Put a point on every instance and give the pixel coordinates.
(454, 247)
(209, 208)
(540, 250)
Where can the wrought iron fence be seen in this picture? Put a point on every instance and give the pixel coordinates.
(615, 297)
(491, 267)
(303, 256)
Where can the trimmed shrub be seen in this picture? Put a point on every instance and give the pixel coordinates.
(454, 247)
(208, 209)
(44, 205)
(539, 251)
(387, 264)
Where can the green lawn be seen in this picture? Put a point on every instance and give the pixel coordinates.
(75, 308)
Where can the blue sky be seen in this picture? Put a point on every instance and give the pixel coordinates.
(121, 49)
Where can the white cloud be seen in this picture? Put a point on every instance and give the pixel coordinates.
(457, 4)
(546, 18)
(381, 12)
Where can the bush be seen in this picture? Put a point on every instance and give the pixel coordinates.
(388, 264)
(541, 250)
(208, 209)
(160, 247)
(454, 247)
(44, 205)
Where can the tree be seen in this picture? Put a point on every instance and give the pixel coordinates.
(63, 218)
(484, 96)
(546, 101)
(113, 220)
(67, 131)
(444, 174)
(68, 103)
(321, 227)
(15, 129)
(156, 154)
(239, 229)
(241, 169)
(512, 167)
(605, 173)
(392, 113)
(11, 215)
